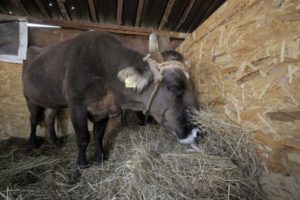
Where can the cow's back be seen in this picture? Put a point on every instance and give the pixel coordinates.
(44, 74)
(58, 74)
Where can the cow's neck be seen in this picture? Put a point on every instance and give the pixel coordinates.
(136, 101)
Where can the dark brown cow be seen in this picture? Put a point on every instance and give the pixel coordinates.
(96, 77)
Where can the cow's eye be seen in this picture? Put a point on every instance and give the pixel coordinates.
(176, 89)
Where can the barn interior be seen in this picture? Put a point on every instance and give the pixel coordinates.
(245, 64)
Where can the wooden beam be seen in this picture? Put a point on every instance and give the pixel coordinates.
(42, 8)
(107, 27)
(119, 12)
(93, 10)
(11, 18)
(63, 9)
(185, 14)
(166, 15)
(20, 8)
(164, 43)
(139, 12)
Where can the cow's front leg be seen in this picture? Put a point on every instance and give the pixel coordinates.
(36, 116)
(79, 121)
(99, 131)
(50, 125)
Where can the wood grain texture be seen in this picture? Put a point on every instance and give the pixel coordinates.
(247, 56)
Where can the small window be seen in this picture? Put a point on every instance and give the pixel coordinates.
(13, 39)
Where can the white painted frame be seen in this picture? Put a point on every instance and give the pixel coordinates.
(22, 50)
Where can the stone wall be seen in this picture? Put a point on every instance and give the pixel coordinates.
(246, 67)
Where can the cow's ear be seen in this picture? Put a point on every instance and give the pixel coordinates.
(134, 79)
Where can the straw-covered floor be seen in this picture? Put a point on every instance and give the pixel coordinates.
(144, 163)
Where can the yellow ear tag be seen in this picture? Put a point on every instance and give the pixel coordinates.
(130, 82)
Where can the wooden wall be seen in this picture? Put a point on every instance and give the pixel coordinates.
(43, 37)
(13, 114)
(246, 67)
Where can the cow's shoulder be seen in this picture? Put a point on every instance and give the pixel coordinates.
(33, 51)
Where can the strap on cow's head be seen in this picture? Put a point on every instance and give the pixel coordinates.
(157, 77)
(157, 66)
(157, 70)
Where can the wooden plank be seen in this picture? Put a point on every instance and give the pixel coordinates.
(247, 77)
(166, 15)
(229, 70)
(41, 8)
(107, 27)
(292, 142)
(262, 70)
(119, 12)
(185, 14)
(63, 9)
(11, 18)
(267, 139)
(164, 43)
(139, 12)
(284, 116)
(93, 10)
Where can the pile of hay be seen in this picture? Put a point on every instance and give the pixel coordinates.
(144, 163)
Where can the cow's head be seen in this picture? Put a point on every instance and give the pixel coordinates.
(166, 92)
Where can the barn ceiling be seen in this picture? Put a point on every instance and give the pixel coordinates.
(178, 16)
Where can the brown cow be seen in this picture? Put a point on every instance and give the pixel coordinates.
(96, 77)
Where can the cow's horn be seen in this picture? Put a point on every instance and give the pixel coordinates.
(154, 48)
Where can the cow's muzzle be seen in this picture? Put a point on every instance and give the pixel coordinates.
(191, 139)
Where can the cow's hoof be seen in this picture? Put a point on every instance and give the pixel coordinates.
(82, 164)
(78, 172)
(58, 141)
(76, 177)
(100, 159)
(35, 143)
